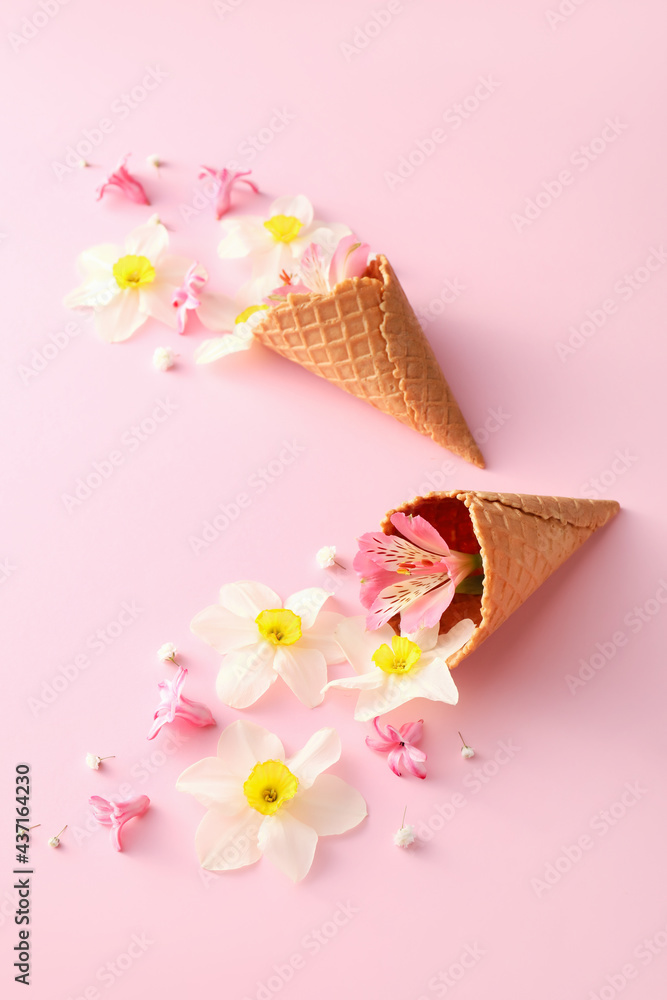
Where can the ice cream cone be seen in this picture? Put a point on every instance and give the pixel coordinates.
(365, 338)
(522, 540)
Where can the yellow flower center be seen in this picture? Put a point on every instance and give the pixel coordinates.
(268, 785)
(284, 228)
(132, 271)
(400, 659)
(279, 626)
(244, 316)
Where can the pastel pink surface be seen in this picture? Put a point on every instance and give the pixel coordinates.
(339, 110)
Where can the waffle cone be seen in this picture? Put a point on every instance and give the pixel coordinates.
(365, 338)
(522, 540)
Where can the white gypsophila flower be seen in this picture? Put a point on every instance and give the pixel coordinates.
(405, 836)
(164, 358)
(166, 652)
(326, 556)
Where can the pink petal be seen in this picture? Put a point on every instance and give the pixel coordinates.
(384, 743)
(195, 713)
(350, 260)
(395, 759)
(224, 181)
(174, 704)
(126, 183)
(415, 765)
(428, 609)
(403, 595)
(398, 554)
(418, 531)
(382, 746)
(411, 732)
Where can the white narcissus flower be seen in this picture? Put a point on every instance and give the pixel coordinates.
(124, 286)
(236, 318)
(259, 802)
(392, 670)
(262, 639)
(276, 242)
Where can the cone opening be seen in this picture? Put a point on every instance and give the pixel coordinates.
(451, 519)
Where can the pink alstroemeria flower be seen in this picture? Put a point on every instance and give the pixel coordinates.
(400, 745)
(414, 573)
(117, 814)
(174, 705)
(126, 183)
(188, 296)
(320, 272)
(224, 181)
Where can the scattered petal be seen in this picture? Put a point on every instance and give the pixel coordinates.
(117, 814)
(224, 181)
(125, 182)
(400, 745)
(174, 705)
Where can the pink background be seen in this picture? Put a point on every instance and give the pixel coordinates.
(584, 423)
